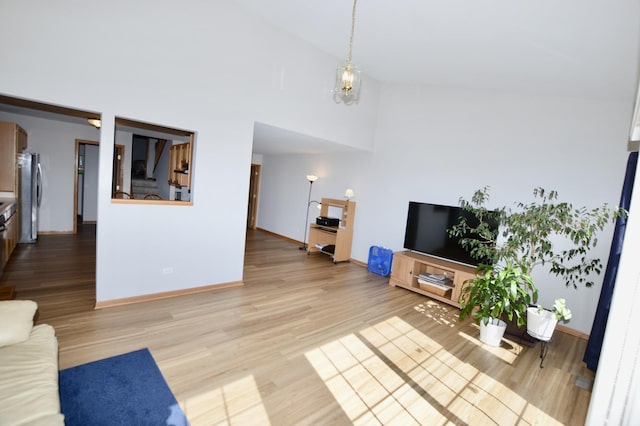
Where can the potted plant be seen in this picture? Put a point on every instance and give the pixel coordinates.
(526, 234)
(496, 291)
(542, 322)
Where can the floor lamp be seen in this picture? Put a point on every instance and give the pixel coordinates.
(311, 179)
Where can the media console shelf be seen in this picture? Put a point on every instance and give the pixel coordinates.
(439, 279)
(333, 240)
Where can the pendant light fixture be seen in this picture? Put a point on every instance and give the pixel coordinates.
(347, 87)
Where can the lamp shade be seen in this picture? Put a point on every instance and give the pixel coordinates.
(312, 178)
(348, 193)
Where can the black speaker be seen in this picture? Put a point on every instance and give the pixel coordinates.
(327, 221)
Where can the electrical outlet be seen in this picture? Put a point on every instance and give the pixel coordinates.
(168, 270)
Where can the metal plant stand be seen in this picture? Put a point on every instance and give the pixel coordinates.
(544, 348)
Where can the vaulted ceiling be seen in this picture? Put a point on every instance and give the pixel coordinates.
(584, 48)
(571, 47)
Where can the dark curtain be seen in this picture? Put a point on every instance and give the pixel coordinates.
(594, 345)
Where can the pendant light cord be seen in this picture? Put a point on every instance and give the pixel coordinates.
(353, 26)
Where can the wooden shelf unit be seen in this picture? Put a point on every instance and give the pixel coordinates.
(339, 236)
(407, 266)
(179, 165)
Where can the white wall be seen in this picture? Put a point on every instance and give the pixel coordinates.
(220, 73)
(56, 143)
(90, 193)
(256, 158)
(437, 145)
(284, 189)
(447, 143)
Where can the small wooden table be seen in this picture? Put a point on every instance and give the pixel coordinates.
(7, 292)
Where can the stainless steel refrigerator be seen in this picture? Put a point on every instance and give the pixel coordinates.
(30, 175)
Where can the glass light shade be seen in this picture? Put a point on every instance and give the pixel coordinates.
(95, 122)
(348, 193)
(347, 87)
(312, 178)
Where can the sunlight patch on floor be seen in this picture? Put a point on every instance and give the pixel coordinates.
(366, 388)
(508, 356)
(237, 403)
(391, 373)
(438, 312)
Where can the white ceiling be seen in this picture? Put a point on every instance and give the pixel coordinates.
(586, 48)
(568, 47)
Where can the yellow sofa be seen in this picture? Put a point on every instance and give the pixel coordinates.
(28, 368)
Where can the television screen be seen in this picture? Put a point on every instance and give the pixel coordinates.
(426, 232)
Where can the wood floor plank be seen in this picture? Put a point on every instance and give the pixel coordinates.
(304, 341)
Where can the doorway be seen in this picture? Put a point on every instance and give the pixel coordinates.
(118, 170)
(254, 189)
(85, 206)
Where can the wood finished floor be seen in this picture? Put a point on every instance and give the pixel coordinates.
(304, 342)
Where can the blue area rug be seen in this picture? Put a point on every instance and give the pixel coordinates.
(126, 389)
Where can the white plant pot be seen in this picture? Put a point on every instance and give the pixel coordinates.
(541, 324)
(492, 332)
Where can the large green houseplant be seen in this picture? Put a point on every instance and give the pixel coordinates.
(525, 235)
(497, 291)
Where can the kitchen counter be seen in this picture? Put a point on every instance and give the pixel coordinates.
(9, 232)
(8, 207)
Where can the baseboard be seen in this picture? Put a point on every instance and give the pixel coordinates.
(282, 237)
(572, 332)
(55, 232)
(164, 295)
(359, 263)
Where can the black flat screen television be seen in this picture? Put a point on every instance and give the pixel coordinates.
(426, 232)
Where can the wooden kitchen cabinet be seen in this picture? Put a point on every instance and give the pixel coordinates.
(11, 236)
(13, 140)
(179, 165)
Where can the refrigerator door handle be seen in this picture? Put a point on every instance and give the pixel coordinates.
(39, 184)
